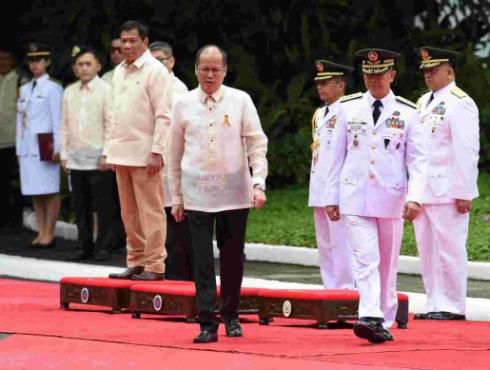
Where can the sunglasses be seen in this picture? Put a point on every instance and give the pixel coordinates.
(35, 59)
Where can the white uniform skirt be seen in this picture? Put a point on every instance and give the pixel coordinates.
(38, 177)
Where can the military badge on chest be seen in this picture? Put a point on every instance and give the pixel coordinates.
(394, 121)
(330, 124)
(437, 116)
(394, 131)
(356, 128)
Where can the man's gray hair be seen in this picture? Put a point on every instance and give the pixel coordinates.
(161, 46)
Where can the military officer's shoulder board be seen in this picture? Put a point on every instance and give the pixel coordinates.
(351, 97)
(55, 81)
(316, 113)
(419, 100)
(458, 92)
(313, 120)
(406, 102)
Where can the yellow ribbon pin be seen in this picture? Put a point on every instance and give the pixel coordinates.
(226, 120)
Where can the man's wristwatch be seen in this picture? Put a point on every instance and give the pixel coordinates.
(259, 186)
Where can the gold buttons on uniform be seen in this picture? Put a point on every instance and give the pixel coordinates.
(373, 146)
(374, 133)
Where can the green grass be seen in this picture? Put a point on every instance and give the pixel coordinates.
(286, 220)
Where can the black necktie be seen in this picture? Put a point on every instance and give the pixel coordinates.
(326, 112)
(376, 112)
(34, 83)
(430, 99)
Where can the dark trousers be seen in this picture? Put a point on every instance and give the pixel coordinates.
(119, 234)
(92, 190)
(10, 198)
(178, 265)
(230, 236)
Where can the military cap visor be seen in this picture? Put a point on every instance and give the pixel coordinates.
(37, 50)
(433, 57)
(38, 54)
(374, 61)
(326, 70)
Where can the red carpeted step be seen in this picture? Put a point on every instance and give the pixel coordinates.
(101, 291)
(321, 305)
(179, 300)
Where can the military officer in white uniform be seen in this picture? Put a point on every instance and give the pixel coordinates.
(378, 140)
(39, 112)
(451, 119)
(334, 250)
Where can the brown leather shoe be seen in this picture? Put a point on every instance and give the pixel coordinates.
(149, 276)
(128, 273)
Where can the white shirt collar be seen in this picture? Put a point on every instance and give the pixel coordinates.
(385, 101)
(92, 84)
(43, 78)
(444, 90)
(138, 63)
(333, 105)
(217, 95)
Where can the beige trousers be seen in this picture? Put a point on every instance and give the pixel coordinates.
(142, 211)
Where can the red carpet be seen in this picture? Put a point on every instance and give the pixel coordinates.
(47, 337)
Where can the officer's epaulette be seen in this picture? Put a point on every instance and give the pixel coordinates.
(419, 101)
(55, 80)
(313, 120)
(406, 102)
(458, 92)
(351, 97)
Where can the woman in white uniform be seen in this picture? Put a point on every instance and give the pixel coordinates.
(39, 111)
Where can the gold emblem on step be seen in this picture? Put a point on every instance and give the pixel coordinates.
(287, 308)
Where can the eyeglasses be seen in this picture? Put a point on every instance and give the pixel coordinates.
(206, 70)
(113, 50)
(162, 59)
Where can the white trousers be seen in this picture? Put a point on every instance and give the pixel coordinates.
(376, 245)
(441, 233)
(336, 264)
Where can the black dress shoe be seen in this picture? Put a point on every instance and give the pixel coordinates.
(128, 273)
(420, 316)
(340, 324)
(81, 256)
(102, 255)
(443, 315)
(387, 335)
(370, 328)
(233, 328)
(206, 336)
(149, 276)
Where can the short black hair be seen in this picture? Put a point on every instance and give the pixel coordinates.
(201, 50)
(132, 25)
(86, 49)
(161, 46)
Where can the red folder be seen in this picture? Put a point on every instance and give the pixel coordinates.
(46, 146)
